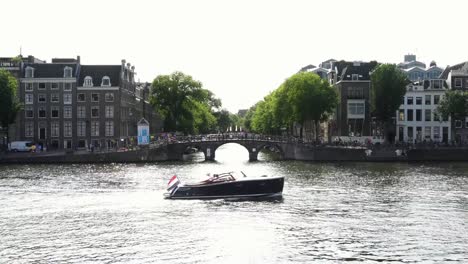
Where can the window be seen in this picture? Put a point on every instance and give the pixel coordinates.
(355, 92)
(28, 99)
(427, 115)
(418, 115)
(28, 112)
(54, 112)
(67, 86)
(81, 111)
(42, 86)
(29, 129)
(54, 129)
(67, 129)
(88, 81)
(81, 128)
(436, 84)
(409, 100)
(458, 82)
(94, 97)
(401, 115)
(95, 128)
(81, 97)
(419, 100)
(28, 87)
(41, 112)
(29, 72)
(355, 77)
(466, 122)
(41, 98)
(436, 99)
(109, 97)
(436, 132)
(95, 111)
(67, 112)
(67, 72)
(355, 108)
(410, 133)
(105, 81)
(109, 128)
(54, 86)
(436, 116)
(67, 98)
(458, 123)
(409, 115)
(54, 98)
(427, 133)
(427, 100)
(109, 111)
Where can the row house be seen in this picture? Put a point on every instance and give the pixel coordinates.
(68, 105)
(416, 118)
(353, 83)
(457, 79)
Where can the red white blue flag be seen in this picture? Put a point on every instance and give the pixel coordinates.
(173, 183)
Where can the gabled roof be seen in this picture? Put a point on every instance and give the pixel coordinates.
(346, 69)
(97, 72)
(50, 70)
(447, 70)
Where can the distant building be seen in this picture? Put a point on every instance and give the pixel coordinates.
(68, 105)
(416, 118)
(456, 77)
(353, 83)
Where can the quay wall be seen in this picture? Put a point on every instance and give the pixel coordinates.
(289, 152)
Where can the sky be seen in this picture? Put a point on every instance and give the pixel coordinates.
(241, 50)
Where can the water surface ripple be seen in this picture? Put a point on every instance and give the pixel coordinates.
(330, 212)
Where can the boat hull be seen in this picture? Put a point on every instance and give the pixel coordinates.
(253, 188)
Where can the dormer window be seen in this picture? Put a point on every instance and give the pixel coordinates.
(355, 77)
(29, 72)
(105, 81)
(67, 72)
(88, 81)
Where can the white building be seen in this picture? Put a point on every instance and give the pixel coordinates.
(417, 120)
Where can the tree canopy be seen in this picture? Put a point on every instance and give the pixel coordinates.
(454, 104)
(183, 104)
(9, 105)
(304, 96)
(388, 89)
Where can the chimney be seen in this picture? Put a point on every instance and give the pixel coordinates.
(78, 59)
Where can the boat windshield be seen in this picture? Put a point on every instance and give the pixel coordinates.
(222, 177)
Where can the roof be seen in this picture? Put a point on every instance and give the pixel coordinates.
(447, 70)
(50, 70)
(414, 68)
(98, 71)
(346, 69)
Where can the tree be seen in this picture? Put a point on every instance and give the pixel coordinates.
(223, 119)
(309, 98)
(387, 92)
(9, 105)
(455, 105)
(183, 103)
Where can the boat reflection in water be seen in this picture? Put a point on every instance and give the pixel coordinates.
(227, 185)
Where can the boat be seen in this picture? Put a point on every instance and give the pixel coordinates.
(226, 185)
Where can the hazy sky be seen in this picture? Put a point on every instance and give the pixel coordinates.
(240, 50)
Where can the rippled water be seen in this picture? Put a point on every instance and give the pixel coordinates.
(330, 212)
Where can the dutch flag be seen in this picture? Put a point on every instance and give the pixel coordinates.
(173, 183)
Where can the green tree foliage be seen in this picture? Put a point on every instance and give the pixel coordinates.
(388, 89)
(9, 105)
(455, 105)
(183, 103)
(304, 96)
(223, 119)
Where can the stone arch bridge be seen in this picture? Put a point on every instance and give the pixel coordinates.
(176, 150)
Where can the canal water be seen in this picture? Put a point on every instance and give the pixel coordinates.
(330, 213)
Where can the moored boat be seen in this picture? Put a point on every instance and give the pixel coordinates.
(226, 185)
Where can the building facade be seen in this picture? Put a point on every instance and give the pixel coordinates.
(417, 119)
(68, 105)
(353, 83)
